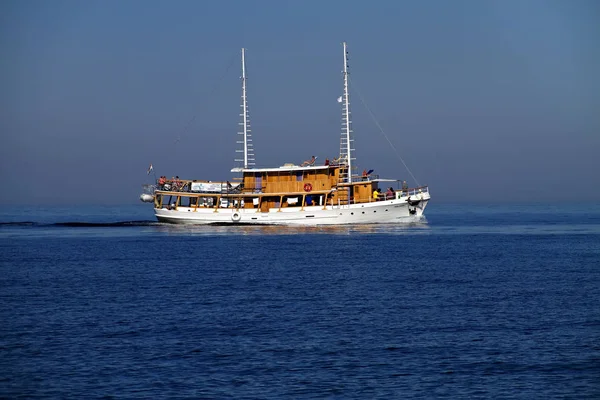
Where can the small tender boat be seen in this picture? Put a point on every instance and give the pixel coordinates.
(306, 194)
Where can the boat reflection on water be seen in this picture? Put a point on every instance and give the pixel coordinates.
(419, 226)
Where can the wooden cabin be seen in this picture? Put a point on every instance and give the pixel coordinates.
(289, 186)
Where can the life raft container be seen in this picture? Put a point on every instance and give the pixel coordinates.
(414, 201)
(146, 198)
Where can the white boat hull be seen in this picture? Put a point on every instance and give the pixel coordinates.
(380, 212)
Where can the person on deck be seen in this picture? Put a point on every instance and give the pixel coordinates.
(405, 187)
(375, 194)
(390, 194)
(365, 175)
(310, 162)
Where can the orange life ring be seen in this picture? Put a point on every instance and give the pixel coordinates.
(307, 187)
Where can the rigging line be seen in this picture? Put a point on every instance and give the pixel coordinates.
(210, 93)
(362, 100)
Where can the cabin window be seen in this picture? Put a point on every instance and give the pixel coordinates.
(298, 176)
(258, 183)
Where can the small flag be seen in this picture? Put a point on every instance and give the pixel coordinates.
(340, 99)
(150, 169)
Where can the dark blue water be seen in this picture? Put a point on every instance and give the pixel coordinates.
(479, 302)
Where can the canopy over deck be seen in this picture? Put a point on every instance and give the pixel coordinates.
(283, 168)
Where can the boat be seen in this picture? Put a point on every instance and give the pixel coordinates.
(312, 193)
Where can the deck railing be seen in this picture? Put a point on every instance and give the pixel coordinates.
(383, 196)
(184, 186)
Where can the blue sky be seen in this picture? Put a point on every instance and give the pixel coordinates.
(487, 101)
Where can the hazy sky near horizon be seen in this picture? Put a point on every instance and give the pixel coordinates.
(484, 100)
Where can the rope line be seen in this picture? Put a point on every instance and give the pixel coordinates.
(210, 93)
(362, 100)
(187, 126)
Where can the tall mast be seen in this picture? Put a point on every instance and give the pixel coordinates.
(346, 140)
(247, 149)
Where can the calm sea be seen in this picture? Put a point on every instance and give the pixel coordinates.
(479, 301)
